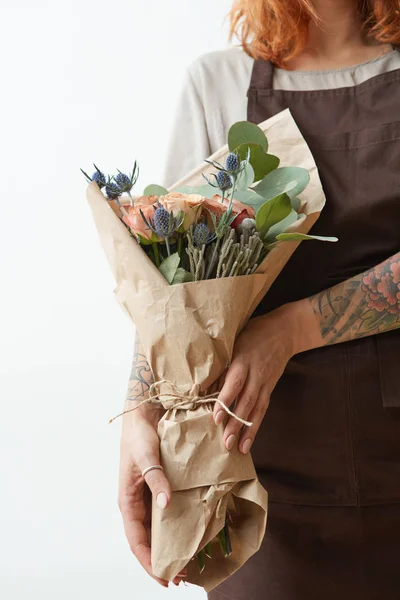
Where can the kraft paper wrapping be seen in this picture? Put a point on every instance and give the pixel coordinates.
(188, 332)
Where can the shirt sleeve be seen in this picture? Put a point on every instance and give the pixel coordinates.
(189, 143)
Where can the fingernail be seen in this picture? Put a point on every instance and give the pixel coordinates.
(162, 500)
(219, 417)
(182, 573)
(246, 446)
(230, 441)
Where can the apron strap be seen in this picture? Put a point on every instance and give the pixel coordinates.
(262, 75)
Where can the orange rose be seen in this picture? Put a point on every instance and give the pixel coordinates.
(134, 220)
(190, 204)
(215, 206)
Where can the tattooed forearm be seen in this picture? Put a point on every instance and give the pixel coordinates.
(364, 305)
(141, 376)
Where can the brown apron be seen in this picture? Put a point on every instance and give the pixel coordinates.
(328, 451)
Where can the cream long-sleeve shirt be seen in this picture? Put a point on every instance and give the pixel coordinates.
(214, 96)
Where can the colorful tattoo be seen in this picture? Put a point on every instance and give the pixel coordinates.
(141, 376)
(364, 305)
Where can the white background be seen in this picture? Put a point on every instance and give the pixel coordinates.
(83, 81)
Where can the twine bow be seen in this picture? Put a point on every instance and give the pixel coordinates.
(155, 397)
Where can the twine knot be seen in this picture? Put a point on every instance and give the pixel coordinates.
(175, 398)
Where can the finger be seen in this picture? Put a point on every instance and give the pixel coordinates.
(155, 479)
(137, 538)
(218, 388)
(235, 381)
(244, 405)
(256, 417)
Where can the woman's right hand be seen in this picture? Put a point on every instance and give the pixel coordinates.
(140, 449)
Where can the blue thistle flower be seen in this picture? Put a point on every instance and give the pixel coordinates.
(162, 221)
(232, 163)
(123, 181)
(113, 191)
(224, 180)
(202, 235)
(99, 178)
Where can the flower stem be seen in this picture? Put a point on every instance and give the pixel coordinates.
(167, 246)
(156, 253)
(180, 240)
(130, 196)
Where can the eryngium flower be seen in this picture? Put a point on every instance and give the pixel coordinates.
(99, 178)
(164, 223)
(113, 191)
(202, 235)
(161, 220)
(224, 180)
(232, 163)
(123, 182)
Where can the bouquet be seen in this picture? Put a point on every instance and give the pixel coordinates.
(191, 265)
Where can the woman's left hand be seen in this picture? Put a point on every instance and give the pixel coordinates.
(260, 356)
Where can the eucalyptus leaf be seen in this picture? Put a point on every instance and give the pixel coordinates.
(280, 227)
(261, 162)
(250, 198)
(246, 178)
(271, 212)
(155, 190)
(289, 180)
(208, 191)
(244, 132)
(298, 237)
(169, 267)
(182, 276)
(295, 203)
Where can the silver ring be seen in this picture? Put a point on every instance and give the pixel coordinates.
(159, 467)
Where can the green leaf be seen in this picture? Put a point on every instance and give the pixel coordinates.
(250, 198)
(208, 191)
(261, 162)
(289, 180)
(272, 212)
(145, 242)
(169, 267)
(295, 204)
(155, 190)
(182, 276)
(281, 226)
(246, 178)
(298, 237)
(244, 132)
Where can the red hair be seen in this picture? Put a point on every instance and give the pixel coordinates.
(277, 30)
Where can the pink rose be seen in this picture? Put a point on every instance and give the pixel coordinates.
(134, 220)
(190, 204)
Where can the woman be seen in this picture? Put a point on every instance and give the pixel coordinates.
(322, 352)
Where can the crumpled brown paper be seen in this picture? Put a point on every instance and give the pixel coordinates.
(188, 333)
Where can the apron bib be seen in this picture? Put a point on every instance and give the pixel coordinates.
(331, 434)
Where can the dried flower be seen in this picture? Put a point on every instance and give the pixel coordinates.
(232, 164)
(224, 181)
(161, 222)
(99, 178)
(113, 191)
(123, 182)
(202, 235)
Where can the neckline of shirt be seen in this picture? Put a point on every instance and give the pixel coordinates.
(387, 55)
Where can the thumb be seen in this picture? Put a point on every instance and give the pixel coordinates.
(159, 486)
